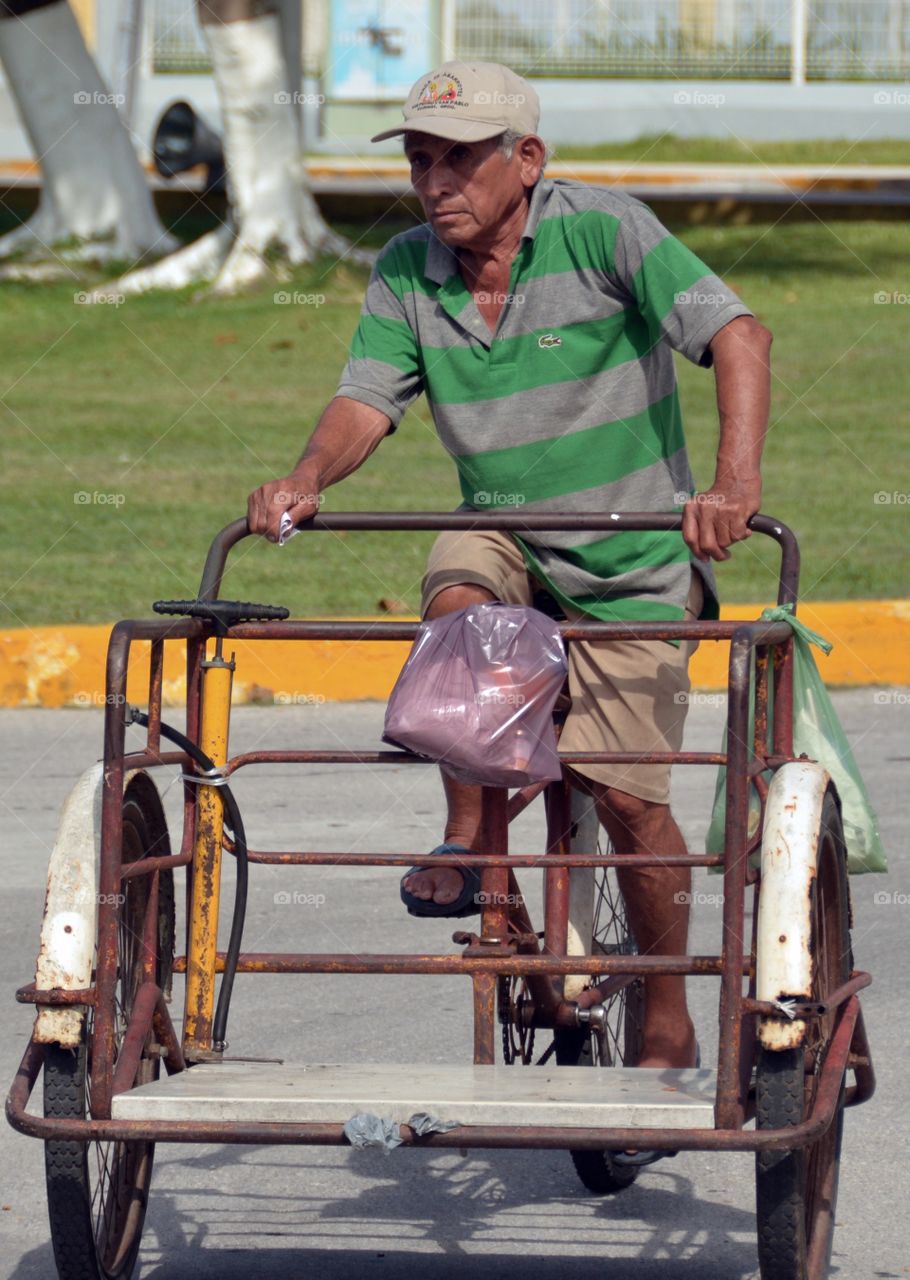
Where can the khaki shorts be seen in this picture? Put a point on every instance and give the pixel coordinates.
(627, 695)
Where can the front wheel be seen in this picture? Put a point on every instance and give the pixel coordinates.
(796, 1191)
(619, 1044)
(597, 926)
(97, 1192)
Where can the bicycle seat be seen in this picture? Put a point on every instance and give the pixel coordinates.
(224, 613)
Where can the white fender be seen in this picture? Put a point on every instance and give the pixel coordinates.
(67, 950)
(793, 813)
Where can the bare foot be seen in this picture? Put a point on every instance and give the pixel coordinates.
(664, 1052)
(436, 884)
(674, 1046)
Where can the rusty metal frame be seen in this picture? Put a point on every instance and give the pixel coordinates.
(506, 943)
(837, 1060)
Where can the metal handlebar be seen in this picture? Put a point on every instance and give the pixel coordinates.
(232, 533)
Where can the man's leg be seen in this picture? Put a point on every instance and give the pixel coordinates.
(657, 907)
(444, 884)
(632, 695)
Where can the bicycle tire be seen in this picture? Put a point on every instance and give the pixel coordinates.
(796, 1190)
(96, 1206)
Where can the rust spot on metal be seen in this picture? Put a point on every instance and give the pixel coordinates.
(527, 965)
(53, 996)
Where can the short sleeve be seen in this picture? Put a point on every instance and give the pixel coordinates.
(383, 368)
(680, 298)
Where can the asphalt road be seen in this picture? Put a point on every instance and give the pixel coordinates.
(333, 1213)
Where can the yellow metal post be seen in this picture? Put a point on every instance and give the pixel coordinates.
(200, 969)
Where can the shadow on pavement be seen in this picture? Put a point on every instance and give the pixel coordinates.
(509, 1213)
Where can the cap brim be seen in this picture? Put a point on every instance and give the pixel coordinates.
(454, 130)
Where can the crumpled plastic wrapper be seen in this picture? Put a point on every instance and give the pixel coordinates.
(367, 1130)
(423, 1123)
(286, 529)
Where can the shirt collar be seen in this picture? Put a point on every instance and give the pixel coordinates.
(442, 261)
(539, 197)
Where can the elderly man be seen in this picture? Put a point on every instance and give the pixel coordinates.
(538, 317)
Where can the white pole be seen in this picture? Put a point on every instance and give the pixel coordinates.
(562, 28)
(447, 30)
(127, 57)
(798, 34)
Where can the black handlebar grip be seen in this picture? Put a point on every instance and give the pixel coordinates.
(226, 612)
(185, 608)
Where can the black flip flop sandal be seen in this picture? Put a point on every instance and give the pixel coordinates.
(465, 904)
(638, 1159)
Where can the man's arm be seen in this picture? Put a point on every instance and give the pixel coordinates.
(345, 436)
(713, 520)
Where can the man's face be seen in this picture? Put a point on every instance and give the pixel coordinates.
(468, 189)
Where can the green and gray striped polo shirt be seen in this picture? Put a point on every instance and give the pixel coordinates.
(572, 404)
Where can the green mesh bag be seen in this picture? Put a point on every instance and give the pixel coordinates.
(818, 734)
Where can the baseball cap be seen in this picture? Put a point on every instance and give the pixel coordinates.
(468, 102)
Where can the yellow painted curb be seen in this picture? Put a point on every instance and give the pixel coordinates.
(64, 666)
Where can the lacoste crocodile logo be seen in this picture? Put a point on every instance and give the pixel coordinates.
(549, 340)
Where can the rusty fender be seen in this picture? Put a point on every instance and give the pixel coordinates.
(788, 868)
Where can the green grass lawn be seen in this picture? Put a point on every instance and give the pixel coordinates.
(180, 407)
(827, 151)
(650, 148)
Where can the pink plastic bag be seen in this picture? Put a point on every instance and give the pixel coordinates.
(477, 695)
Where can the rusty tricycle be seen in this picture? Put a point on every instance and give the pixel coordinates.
(130, 1035)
